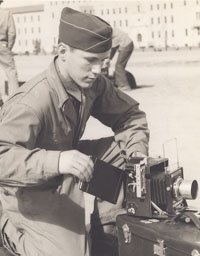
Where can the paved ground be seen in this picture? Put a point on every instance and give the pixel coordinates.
(169, 92)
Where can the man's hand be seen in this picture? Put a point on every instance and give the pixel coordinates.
(137, 154)
(76, 163)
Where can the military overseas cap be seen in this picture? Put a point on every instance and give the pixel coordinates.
(84, 31)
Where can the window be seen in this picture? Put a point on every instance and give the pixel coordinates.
(186, 32)
(165, 19)
(26, 42)
(113, 11)
(18, 31)
(184, 2)
(151, 7)
(138, 8)
(152, 34)
(101, 12)
(114, 23)
(25, 31)
(120, 23)
(32, 30)
(24, 18)
(126, 21)
(151, 20)
(165, 6)
(38, 18)
(172, 19)
(31, 18)
(158, 6)
(159, 34)
(39, 30)
(172, 33)
(18, 19)
(108, 11)
(53, 16)
(166, 34)
(126, 10)
(139, 37)
(158, 20)
(19, 42)
(171, 5)
(120, 10)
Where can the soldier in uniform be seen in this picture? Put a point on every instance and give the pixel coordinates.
(42, 156)
(7, 40)
(124, 45)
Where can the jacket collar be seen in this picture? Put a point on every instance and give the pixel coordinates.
(62, 87)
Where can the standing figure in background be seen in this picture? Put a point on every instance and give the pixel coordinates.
(7, 40)
(122, 43)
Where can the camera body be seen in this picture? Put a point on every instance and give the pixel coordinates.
(152, 190)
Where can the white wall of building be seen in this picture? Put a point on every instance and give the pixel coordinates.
(157, 23)
(29, 24)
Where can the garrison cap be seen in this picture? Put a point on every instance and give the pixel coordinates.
(84, 31)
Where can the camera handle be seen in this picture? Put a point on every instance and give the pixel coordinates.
(189, 217)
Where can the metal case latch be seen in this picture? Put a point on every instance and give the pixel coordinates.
(159, 248)
(126, 233)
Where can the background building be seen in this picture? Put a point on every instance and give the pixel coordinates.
(29, 21)
(157, 24)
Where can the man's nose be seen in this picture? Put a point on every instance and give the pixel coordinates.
(96, 69)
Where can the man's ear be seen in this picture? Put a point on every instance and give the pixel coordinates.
(63, 51)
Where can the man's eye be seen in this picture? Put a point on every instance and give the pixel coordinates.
(90, 60)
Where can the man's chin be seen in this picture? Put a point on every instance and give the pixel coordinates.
(87, 84)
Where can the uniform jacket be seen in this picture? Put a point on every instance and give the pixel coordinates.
(7, 28)
(36, 124)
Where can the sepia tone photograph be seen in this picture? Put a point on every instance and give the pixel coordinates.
(99, 127)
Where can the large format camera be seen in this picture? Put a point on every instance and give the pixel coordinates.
(153, 190)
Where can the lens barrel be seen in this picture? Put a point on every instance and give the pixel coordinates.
(187, 189)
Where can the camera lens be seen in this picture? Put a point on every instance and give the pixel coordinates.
(186, 189)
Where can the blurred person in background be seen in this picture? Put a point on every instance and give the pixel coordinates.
(122, 44)
(1, 101)
(42, 156)
(7, 40)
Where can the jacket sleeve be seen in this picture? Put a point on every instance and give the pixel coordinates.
(122, 113)
(21, 164)
(11, 31)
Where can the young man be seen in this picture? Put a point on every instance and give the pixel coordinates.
(41, 155)
(7, 40)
